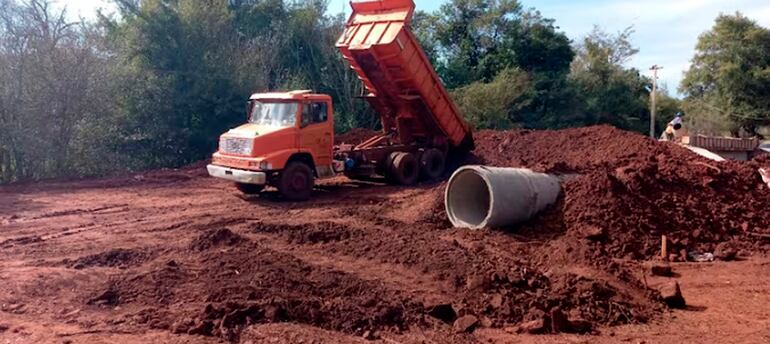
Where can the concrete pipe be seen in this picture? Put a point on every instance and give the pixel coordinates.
(481, 196)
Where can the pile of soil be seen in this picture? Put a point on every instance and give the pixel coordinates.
(215, 238)
(625, 190)
(119, 257)
(219, 292)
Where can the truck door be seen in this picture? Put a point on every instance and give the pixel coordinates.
(316, 133)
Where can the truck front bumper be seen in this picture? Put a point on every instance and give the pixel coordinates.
(238, 176)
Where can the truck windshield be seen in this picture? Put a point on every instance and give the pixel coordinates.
(278, 114)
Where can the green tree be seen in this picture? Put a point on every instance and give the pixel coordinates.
(473, 41)
(610, 93)
(54, 80)
(729, 79)
(189, 66)
(476, 39)
(489, 105)
(177, 62)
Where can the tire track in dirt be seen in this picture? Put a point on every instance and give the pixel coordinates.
(424, 287)
(76, 211)
(314, 243)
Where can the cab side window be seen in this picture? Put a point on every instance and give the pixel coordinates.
(314, 113)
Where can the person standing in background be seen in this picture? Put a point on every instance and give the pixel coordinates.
(673, 130)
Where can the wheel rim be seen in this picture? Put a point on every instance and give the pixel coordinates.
(435, 165)
(298, 182)
(409, 169)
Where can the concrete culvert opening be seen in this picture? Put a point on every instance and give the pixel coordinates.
(483, 196)
(468, 199)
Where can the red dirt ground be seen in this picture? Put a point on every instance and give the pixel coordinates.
(175, 256)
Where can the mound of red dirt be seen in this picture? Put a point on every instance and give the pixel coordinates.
(219, 292)
(214, 238)
(628, 190)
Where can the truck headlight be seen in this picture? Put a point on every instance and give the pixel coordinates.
(262, 165)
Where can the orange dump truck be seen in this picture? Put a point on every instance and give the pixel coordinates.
(288, 142)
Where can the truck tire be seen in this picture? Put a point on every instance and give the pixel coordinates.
(296, 181)
(405, 170)
(432, 164)
(249, 189)
(388, 168)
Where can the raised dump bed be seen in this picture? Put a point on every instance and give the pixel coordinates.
(401, 83)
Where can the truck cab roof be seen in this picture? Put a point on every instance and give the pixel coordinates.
(290, 95)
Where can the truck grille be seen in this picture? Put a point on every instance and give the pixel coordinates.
(235, 145)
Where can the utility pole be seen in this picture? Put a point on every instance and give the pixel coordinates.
(654, 69)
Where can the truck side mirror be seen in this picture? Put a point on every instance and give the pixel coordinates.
(248, 109)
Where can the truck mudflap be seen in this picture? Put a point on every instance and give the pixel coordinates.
(238, 176)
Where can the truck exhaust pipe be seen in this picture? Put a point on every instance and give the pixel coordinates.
(482, 196)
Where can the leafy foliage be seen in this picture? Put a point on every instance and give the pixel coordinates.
(729, 79)
(610, 93)
(489, 105)
(196, 62)
(54, 82)
(473, 41)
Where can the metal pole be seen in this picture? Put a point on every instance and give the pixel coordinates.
(653, 107)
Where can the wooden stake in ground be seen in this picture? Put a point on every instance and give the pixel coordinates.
(663, 247)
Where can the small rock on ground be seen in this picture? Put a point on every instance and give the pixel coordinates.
(465, 323)
(672, 295)
(536, 326)
(661, 270)
(725, 251)
(580, 326)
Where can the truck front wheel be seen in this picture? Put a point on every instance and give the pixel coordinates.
(296, 181)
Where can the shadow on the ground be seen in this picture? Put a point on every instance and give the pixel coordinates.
(347, 192)
(691, 308)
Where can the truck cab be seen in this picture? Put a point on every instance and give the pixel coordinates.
(287, 142)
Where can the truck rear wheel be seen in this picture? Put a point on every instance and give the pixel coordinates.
(432, 164)
(404, 169)
(296, 181)
(249, 189)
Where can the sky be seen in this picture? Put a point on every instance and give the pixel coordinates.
(666, 31)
